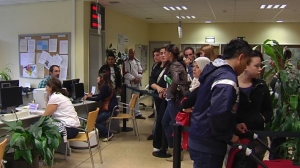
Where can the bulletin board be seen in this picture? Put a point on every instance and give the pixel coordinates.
(37, 52)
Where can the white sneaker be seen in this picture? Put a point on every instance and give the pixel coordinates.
(108, 139)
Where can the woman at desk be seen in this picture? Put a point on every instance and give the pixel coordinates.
(61, 108)
(108, 98)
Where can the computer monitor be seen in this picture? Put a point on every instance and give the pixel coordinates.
(11, 98)
(9, 83)
(39, 97)
(78, 92)
(69, 85)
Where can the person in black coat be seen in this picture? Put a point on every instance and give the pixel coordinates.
(113, 70)
(255, 104)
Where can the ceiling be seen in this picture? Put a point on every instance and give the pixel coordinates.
(203, 10)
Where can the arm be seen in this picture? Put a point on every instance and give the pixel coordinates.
(140, 70)
(222, 121)
(101, 69)
(190, 101)
(102, 95)
(267, 109)
(126, 73)
(176, 71)
(51, 108)
(118, 78)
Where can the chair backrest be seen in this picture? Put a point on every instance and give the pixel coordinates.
(133, 101)
(91, 120)
(2, 150)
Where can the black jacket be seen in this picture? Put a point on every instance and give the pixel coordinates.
(251, 108)
(118, 75)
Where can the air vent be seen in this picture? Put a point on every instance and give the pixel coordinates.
(113, 2)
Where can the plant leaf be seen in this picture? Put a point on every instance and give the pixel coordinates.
(294, 101)
(17, 154)
(27, 155)
(15, 137)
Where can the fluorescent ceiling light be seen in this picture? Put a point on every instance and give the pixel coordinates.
(269, 6)
(262, 6)
(183, 17)
(188, 17)
(193, 17)
(282, 6)
(166, 8)
(279, 21)
(172, 8)
(184, 7)
(276, 6)
(178, 17)
(178, 8)
(208, 21)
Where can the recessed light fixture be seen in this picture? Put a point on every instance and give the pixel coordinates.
(270, 6)
(166, 8)
(208, 21)
(178, 8)
(185, 17)
(175, 8)
(279, 21)
(262, 6)
(282, 6)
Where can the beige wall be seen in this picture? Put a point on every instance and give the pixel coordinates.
(50, 17)
(136, 30)
(285, 33)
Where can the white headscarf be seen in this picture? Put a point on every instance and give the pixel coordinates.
(201, 62)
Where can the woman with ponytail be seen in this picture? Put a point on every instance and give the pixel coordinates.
(61, 107)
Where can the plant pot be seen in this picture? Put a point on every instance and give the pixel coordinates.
(11, 163)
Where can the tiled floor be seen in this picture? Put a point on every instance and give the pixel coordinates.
(124, 151)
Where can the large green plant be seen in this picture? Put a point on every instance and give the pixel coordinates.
(40, 139)
(285, 97)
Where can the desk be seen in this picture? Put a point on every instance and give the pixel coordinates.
(33, 117)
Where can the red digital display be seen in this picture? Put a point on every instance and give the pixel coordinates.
(96, 20)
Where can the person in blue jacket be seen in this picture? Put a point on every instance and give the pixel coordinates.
(212, 121)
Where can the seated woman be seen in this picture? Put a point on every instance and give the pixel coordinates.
(108, 99)
(61, 107)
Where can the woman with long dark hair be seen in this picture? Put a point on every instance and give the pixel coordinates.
(61, 107)
(107, 96)
(176, 90)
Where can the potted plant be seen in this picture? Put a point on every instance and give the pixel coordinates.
(285, 97)
(40, 139)
(5, 74)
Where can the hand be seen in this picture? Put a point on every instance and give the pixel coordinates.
(235, 139)
(242, 127)
(160, 89)
(189, 110)
(136, 80)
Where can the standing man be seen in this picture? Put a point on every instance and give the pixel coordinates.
(189, 53)
(54, 71)
(212, 120)
(133, 74)
(114, 71)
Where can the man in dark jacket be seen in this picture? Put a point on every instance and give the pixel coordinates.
(115, 73)
(212, 122)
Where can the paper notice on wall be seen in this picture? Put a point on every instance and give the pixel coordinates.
(31, 45)
(42, 45)
(63, 67)
(52, 45)
(40, 71)
(30, 71)
(44, 57)
(126, 40)
(55, 60)
(27, 58)
(63, 46)
(23, 45)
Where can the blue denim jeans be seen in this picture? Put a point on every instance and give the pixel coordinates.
(102, 117)
(206, 160)
(169, 119)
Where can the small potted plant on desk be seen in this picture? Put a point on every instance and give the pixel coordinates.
(40, 139)
(5, 74)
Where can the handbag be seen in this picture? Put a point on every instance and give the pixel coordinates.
(184, 119)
